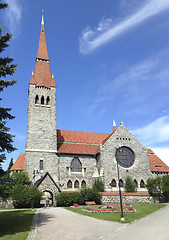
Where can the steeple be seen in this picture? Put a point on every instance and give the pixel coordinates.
(114, 126)
(42, 74)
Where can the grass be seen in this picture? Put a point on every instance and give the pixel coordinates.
(142, 210)
(15, 225)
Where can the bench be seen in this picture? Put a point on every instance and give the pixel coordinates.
(90, 203)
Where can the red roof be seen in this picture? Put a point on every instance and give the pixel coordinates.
(79, 142)
(156, 164)
(42, 74)
(19, 163)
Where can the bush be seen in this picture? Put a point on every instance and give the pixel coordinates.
(90, 194)
(23, 196)
(154, 186)
(165, 187)
(129, 185)
(69, 199)
(98, 185)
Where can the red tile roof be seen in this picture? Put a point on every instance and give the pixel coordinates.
(42, 49)
(81, 137)
(156, 164)
(42, 74)
(79, 142)
(19, 163)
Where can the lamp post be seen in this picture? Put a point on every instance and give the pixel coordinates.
(34, 174)
(121, 204)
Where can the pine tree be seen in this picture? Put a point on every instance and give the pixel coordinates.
(6, 68)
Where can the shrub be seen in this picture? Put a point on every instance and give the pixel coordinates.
(23, 196)
(165, 187)
(98, 185)
(69, 199)
(154, 186)
(90, 194)
(129, 185)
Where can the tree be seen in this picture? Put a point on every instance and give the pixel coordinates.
(6, 68)
(154, 187)
(98, 185)
(129, 185)
(165, 187)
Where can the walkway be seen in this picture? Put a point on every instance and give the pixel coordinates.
(60, 224)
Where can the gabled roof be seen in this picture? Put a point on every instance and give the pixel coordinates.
(156, 164)
(43, 178)
(76, 142)
(19, 163)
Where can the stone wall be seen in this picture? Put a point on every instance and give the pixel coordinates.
(6, 204)
(132, 198)
(140, 170)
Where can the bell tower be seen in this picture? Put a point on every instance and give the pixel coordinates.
(41, 144)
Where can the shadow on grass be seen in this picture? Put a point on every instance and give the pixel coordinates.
(19, 223)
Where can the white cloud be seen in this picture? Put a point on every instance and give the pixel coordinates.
(154, 133)
(13, 15)
(163, 154)
(137, 86)
(106, 31)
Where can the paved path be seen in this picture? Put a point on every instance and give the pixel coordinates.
(60, 224)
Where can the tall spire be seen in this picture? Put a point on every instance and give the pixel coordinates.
(42, 74)
(114, 126)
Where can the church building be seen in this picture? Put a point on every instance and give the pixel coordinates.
(61, 160)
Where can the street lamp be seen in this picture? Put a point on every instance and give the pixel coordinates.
(34, 174)
(121, 204)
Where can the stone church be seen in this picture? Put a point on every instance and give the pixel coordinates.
(61, 160)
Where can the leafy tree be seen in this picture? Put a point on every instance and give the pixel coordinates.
(154, 187)
(90, 194)
(69, 199)
(98, 185)
(129, 185)
(165, 187)
(6, 68)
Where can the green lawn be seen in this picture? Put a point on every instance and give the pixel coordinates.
(15, 225)
(141, 211)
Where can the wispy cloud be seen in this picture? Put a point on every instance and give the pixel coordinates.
(13, 15)
(154, 133)
(140, 85)
(106, 30)
(162, 153)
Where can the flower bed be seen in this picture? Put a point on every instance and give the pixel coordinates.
(105, 208)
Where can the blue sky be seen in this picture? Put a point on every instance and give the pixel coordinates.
(110, 60)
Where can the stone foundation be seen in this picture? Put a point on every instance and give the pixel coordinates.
(6, 204)
(133, 198)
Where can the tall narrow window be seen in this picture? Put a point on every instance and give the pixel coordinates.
(48, 101)
(42, 100)
(113, 183)
(69, 184)
(36, 99)
(76, 184)
(76, 165)
(41, 164)
(135, 183)
(142, 184)
(121, 182)
(83, 184)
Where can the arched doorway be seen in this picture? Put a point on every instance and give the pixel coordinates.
(46, 194)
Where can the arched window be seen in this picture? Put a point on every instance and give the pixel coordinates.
(113, 183)
(76, 184)
(69, 184)
(48, 101)
(121, 182)
(135, 183)
(142, 184)
(36, 99)
(42, 100)
(83, 184)
(76, 165)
